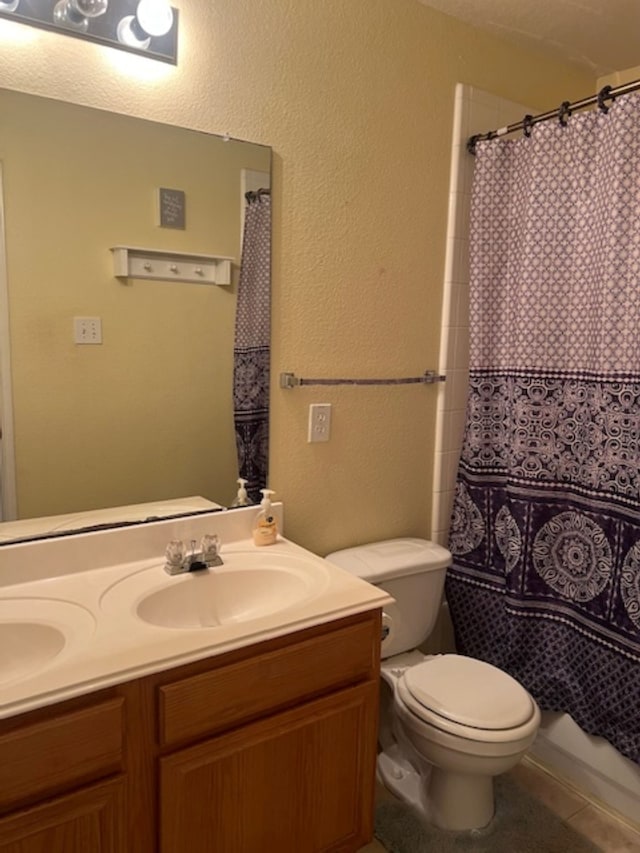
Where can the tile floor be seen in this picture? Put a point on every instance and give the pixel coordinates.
(609, 833)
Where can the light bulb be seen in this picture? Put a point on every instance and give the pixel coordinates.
(155, 17)
(75, 14)
(90, 8)
(152, 18)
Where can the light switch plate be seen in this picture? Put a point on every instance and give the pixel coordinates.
(87, 330)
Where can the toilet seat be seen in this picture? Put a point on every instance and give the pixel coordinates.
(467, 697)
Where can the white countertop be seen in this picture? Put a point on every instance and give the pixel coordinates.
(66, 583)
(76, 521)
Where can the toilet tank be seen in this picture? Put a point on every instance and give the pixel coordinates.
(412, 571)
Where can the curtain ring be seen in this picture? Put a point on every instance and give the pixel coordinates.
(603, 95)
(471, 143)
(527, 125)
(564, 112)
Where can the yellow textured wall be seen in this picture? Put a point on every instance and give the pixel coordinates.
(356, 98)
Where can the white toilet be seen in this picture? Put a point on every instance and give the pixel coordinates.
(448, 723)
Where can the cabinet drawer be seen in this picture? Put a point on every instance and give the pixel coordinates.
(87, 821)
(240, 691)
(49, 756)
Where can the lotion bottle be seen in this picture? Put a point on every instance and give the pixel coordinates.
(266, 530)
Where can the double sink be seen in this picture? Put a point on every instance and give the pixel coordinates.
(39, 630)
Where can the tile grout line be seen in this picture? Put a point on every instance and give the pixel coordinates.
(589, 800)
(580, 809)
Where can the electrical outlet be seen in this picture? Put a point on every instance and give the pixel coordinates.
(87, 330)
(319, 422)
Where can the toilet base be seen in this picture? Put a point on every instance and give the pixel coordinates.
(454, 801)
(401, 778)
(460, 802)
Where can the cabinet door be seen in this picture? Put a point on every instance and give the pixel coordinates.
(89, 821)
(299, 782)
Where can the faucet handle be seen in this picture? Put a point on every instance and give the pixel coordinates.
(209, 546)
(176, 554)
(210, 550)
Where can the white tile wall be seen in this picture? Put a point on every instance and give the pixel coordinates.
(475, 112)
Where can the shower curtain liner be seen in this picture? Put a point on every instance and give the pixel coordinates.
(546, 523)
(252, 345)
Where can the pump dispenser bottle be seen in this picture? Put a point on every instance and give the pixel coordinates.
(266, 531)
(242, 498)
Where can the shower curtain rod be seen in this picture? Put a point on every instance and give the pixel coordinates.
(607, 93)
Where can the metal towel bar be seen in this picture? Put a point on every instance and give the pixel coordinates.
(290, 380)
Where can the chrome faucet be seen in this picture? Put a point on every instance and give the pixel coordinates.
(180, 560)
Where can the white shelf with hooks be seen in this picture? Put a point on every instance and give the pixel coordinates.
(160, 265)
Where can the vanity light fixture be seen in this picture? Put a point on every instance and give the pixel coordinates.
(146, 27)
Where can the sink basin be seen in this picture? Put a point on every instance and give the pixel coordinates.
(248, 586)
(35, 632)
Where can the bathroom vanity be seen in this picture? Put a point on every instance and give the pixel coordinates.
(271, 747)
(245, 737)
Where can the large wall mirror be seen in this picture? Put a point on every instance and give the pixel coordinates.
(146, 415)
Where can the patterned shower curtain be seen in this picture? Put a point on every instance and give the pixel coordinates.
(546, 522)
(252, 345)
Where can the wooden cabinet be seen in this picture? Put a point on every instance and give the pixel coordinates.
(88, 821)
(298, 782)
(275, 676)
(270, 747)
(66, 748)
(63, 749)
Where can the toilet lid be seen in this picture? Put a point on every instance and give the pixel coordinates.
(469, 692)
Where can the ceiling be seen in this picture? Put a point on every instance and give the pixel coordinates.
(599, 35)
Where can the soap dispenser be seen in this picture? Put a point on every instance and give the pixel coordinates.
(266, 530)
(242, 498)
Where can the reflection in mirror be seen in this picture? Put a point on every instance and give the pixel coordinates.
(145, 415)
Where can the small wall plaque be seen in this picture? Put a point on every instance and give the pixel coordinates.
(172, 208)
